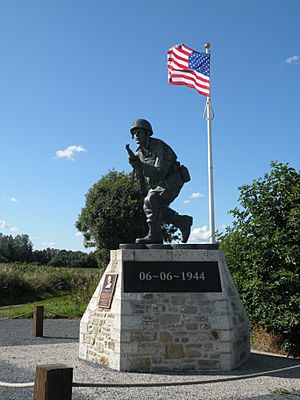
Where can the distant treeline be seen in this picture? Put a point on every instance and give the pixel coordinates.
(20, 249)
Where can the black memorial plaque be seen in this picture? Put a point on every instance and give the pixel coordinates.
(155, 276)
(108, 289)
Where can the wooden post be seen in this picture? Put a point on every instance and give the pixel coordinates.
(53, 382)
(38, 321)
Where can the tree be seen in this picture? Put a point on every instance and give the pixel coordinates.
(73, 259)
(6, 248)
(15, 249)
(262, 249)
(42, 256)
(113, 213)
(22, 248)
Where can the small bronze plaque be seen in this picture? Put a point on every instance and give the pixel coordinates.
(108, 290)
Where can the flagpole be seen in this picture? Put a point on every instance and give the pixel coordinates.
(209, 117)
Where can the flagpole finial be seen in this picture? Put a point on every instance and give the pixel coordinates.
(207, 45)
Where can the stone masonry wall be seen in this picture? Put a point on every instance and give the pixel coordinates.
(166, 331)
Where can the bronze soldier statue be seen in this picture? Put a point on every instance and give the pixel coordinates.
(157, 162)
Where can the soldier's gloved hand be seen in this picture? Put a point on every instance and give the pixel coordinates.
(136, 163)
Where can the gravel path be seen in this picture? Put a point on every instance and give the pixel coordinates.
(20, 353)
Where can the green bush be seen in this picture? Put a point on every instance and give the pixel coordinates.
(13, 284)
(262, 250)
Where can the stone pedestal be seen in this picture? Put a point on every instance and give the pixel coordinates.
(164, 330)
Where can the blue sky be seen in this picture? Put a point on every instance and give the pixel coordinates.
(77, 73)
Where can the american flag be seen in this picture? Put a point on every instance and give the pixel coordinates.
(190, 68)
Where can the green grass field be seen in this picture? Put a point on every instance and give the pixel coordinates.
(64, 292)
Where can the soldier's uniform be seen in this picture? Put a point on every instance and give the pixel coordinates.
(158, 162)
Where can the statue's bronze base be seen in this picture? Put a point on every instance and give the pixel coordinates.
(173, 246)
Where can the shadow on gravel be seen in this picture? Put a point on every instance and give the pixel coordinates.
(58, 338)
(18, 332)
(259, 365)
(275, 366)
(263, 362)
(289, 395)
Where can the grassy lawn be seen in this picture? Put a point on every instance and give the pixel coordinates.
(66, 305)
(64, 292)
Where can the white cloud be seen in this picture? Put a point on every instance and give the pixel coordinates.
(69, 152)
(3, 224)
(293, 60)
(186, 201)
(199, 235)
(12, 199)
(49, 244)
(197, 195)
(78, 234)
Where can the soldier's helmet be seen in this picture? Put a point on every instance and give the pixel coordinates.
(142, 123)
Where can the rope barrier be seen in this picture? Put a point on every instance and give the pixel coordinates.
(16, 316)
(145, 385)
(160, 384)
(56, 313)
(30, 312)
(19, 385)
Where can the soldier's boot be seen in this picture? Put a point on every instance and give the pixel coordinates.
(184, 224)
(154, 235)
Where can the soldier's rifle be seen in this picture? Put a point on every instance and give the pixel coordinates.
(137, 171)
